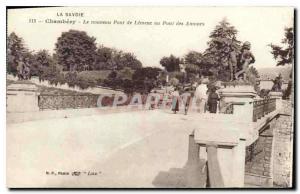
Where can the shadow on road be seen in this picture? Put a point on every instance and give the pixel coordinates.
(190, 176)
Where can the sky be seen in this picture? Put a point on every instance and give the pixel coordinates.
(258, 25)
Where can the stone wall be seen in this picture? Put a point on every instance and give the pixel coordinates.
(56, 102)
(283, 150)
(258, 167)
(51, 102)
(269, 160)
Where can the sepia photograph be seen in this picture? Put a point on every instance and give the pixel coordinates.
(150, 97)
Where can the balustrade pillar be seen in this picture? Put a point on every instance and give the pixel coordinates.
(22, 97)
(242, 97)
(278, 97)
(225, 147)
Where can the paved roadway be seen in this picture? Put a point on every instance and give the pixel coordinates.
(125, 149)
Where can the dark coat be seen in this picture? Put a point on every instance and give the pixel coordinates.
(212, 102)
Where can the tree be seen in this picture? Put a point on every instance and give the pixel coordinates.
(42, 64)
(71, 78)
(170, 63)
(146, 72)
(103, 58)
(252, 75)
(192, 69)
(126, 73)
(145, 79)
(193, 57)
(120, 60)
(112, 75)
(129, 60)
(16, 52)
(75, 50)
(284, 54)
(128, 86)
(222, 42)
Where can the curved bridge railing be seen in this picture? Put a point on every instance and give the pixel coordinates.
(263, 107)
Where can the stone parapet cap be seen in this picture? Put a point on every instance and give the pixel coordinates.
(238, 91)
(275, 94)
(218, 137)
(22, 87)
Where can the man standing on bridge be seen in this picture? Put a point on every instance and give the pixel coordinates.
(213, 99)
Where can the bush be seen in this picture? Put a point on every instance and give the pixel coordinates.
(85, 82)
(128, 86)
(71, 78)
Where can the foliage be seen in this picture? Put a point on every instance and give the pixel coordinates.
(193, 57)
(128, 86)
(108, 58)
(145, 79)
(192, 69)
(126, 73)
(71, 78)
(222, 42)
(16, 52)
(146, 72)
(103, 58)
(170, 63)
(44, 66)
(114, 83)
(77, 54)
(284, 54)
(252, 75)
(264, 93)
(75, 50)
(96, 75)
(84, 82)
(174, 81)
(180, 76)
(112, 75)
(127, 60)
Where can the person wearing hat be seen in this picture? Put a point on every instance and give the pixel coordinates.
(213, 99)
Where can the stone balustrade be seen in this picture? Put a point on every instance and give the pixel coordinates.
(263, 107)
(233, 134)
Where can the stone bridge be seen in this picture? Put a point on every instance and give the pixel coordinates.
(250, 146)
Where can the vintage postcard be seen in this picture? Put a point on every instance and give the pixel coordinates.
(150, 97)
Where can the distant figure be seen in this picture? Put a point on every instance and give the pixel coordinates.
(277, 83)
(85, 67)
(189, 91)
(212, 102)
(201, 96)
(175, 102)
